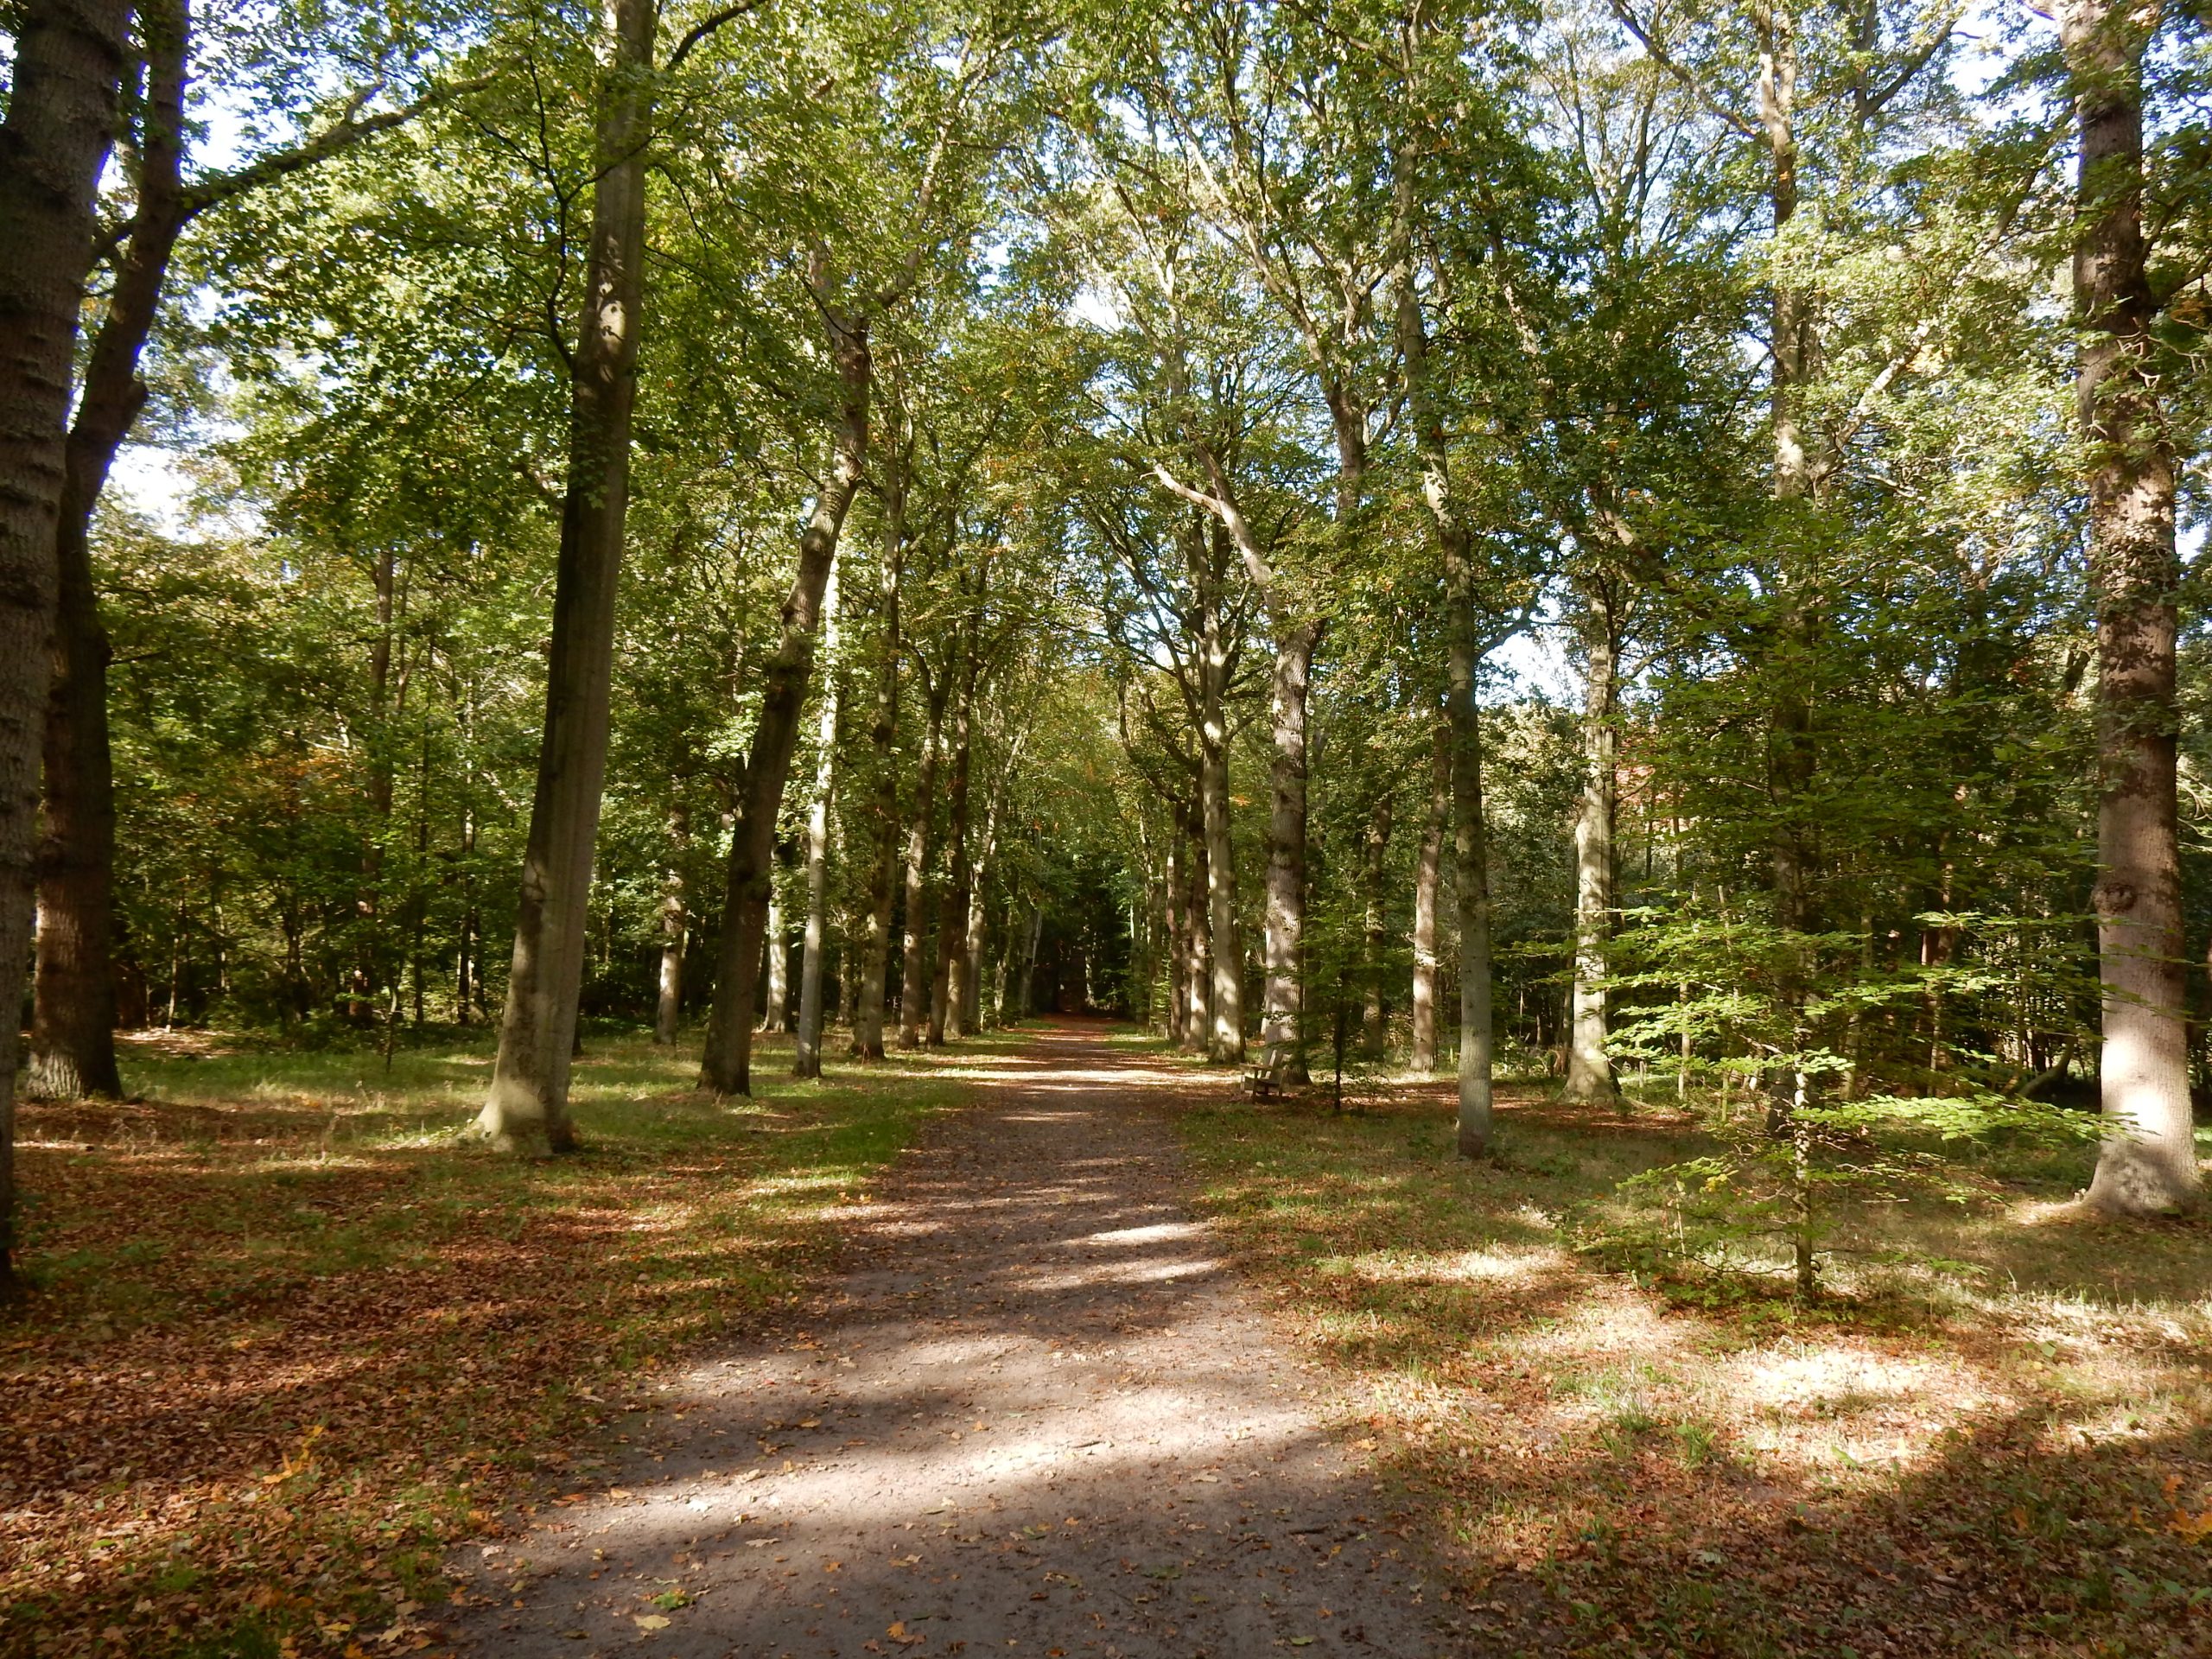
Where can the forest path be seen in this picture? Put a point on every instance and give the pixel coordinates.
(1039, 1416)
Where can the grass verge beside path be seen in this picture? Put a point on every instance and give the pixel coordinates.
(1998, 1454)
(291, 1339)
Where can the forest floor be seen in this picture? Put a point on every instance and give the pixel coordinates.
(1110, 1361)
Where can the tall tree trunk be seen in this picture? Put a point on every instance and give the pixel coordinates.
(727, 1068)
(1589, 1069)
(1284, 991)
(946, 981)
(2147, 1165)
(528, 1107)
(67, 66)
(1427, 881)
(914, 982)
(1198, 974)
(1374, 1016)
(775, 957)
(1172, 885)
(1463, 653)
(806, 1060)
(675, 927)
(1225, 1044)
(883, 739)
(971, 1012)
(72, 1021)
(1029, 959)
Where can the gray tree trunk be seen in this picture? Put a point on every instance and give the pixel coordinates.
(1427, 873)
(67, 65)
(675, 928)
(914, 981)
(806, 1058)
(727, 1067)
(1589, 1069)
(875, 949)
(947, 981)
(527, 1109)
(1374, 1013)
(2147, 1165)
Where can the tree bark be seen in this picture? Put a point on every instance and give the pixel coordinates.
(527, 1109)
(775, 957)
(806, 1057)
(914, 982)
(948, 980)
(72, 1021)
(1589, 1069)
(1374, 1017)
(1427, 873)
(675, 927)
(727, 1066)
(2147, 1165)
(1225, 1040)
(67, 68)
(1173, 885)
(1198, 974)
(883, 739)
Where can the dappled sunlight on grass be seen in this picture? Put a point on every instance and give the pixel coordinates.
(292, 1334)
(1980, 1446)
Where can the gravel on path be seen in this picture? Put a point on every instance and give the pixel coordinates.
(1039, 1417)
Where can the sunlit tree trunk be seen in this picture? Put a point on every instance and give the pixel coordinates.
(675, 927)
(2148, 1163)
(1589, 1069)
(1374, 1031)
(728, 1065)
(914, 983)
(1225, 1040)
(948, 977)
(527, 1109)
(1198, 1018)
(806, 1057)
(875, 949)
(775, 957)
(1177, 945)
(65, 68)
(1428, 872)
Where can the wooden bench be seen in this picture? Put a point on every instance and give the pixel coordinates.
(1264, 1080)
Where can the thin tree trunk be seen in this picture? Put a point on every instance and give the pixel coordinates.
(675, 927)
(1427, 873)
(806, 1060)
(947, 981)
(776, 957)
(972, 1014)
(1374, 1016)
(1171, 884)
(1284, 991)
(1198, 1018)
(2147, 1165)
(727, 1068)
(914, 982)
(1589, 1069)
(883, 739)
(528, 1107)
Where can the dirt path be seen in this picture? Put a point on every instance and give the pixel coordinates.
(1040, 1418)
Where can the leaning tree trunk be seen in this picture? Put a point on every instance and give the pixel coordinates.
(806, 1058)
(73, 1019)
(1427, 881)
(948, 984)
(1589, 1069)
(67, 66)
(883, 739)
(914, 968)
(729, 1060)
(2148, 1163)
(528, 1107)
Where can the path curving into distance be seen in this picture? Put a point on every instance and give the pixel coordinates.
(1039, 1417)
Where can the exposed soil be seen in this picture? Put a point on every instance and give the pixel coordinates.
(1039, 1416)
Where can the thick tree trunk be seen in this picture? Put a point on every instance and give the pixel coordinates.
(947, 982)
(914, 981)
(73, 1023)
(675, 927)
(728, 1059)
(67, 65)
(2148, 1162)
(806, 1058)
(1225, 1044)
(1374, 1015)
(527, 1109)
(883, 738)
(1427, 873)
(1589, 1069)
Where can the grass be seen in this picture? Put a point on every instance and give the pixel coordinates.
(290, 1338)
(1995, 1437)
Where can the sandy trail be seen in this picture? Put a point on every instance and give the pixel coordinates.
(1039, 1417)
